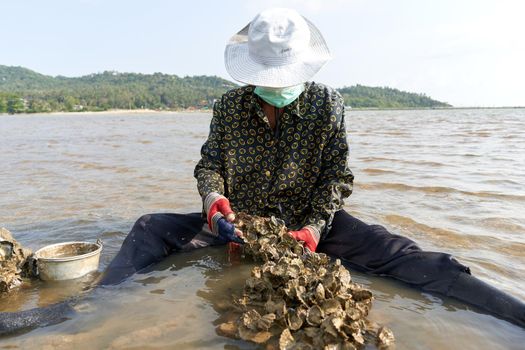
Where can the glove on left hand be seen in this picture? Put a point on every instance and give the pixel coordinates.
(219, 214)
(308, 236)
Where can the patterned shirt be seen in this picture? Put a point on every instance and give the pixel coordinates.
(298, 172)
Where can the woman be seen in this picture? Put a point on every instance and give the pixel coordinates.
(277, 146)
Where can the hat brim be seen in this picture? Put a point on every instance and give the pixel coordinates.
(246, 70)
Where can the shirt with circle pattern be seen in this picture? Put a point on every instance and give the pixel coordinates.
(298, 172)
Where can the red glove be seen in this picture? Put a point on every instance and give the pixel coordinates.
(307, 235)
(216, 207)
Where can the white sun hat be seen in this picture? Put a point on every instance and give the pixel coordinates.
(278, 48)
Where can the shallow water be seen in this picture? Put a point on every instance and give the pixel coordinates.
(452, 180)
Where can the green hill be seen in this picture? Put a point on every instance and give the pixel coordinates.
(25, 91)
(360, 96)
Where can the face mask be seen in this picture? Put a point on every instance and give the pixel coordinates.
(279, 97)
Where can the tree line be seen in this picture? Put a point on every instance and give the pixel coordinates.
(360, 96)
(25, 91)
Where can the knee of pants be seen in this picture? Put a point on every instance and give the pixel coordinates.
(142, 241)
(137, 235)
(142, 221)
(440, 271)
(448, 263)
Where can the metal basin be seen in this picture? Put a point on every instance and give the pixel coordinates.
(63, 261)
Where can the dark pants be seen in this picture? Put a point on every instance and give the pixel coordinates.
(369, 248)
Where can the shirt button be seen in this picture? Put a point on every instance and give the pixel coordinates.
(268, 173)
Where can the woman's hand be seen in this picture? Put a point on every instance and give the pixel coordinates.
(220, 217)
(307, 236)
(228, 232)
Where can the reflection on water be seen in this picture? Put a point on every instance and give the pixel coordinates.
(452, 181)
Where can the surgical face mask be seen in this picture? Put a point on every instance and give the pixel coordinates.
(279, 97)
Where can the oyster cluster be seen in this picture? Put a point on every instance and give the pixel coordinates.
(298, 299)
(15, 262)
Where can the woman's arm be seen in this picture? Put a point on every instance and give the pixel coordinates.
(209, 169)
(336, 180)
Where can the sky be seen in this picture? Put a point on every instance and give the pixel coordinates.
(464, 52)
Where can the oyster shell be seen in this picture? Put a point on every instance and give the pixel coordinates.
(385, 339)
(15, 262)
(286, 340)
(315, 315)
(296, 318)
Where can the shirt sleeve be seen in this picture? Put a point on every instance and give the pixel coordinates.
(209, 170)
(336, 180)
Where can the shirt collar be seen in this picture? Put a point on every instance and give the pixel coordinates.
(254, 105)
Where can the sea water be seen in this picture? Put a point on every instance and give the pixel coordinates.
(452, 180)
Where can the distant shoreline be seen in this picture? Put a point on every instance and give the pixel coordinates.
(209, 111)
(428, 108)
(119, 111)
(132, 111)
